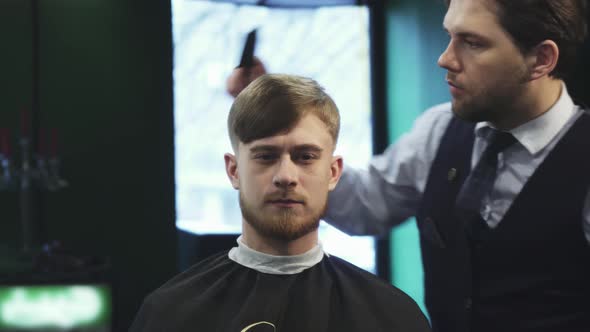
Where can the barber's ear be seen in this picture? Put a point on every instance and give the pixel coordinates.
(543, 59)
(335, 171)
(231, 168)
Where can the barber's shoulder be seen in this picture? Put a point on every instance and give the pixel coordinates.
(437, 113)
(445, 107)
(431, 124)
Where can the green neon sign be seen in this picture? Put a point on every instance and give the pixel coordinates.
(59, 306)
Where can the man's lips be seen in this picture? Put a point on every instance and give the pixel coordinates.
(285, 201)
(453, 84)
(454, 88)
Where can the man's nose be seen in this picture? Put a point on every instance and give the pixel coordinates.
(286, 174)
(448, 59)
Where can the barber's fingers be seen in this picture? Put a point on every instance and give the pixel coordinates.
(237, 81)
(240, 77)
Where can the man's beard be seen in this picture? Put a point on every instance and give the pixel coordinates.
(285, 225)
(491, 103)
(478, 108)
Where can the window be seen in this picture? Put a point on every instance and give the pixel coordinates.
(328, 44)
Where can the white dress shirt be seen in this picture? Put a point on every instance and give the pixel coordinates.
(371, 202)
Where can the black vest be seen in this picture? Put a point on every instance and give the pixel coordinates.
(530, 273)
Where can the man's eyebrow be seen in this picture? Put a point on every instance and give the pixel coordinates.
(263, 148)
(300, 147)
(472, 35)
(308, 147)
(467, 34)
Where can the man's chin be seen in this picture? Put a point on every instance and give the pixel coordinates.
(285, 230)
(466, 113)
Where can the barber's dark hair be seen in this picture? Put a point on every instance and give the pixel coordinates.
(530, 22)
(275, 103)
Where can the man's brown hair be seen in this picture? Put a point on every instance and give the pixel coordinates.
(274, 103)
(529, 22)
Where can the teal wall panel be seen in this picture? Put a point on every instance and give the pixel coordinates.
(415, 82)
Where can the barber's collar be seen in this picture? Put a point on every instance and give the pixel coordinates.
(537, 133)
(272, 264)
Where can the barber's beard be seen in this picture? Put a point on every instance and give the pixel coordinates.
(491, 103)
(286, 224)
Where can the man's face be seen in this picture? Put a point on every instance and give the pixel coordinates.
(284, 180)
(486, 71)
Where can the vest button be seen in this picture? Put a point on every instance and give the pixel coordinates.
(452, 174)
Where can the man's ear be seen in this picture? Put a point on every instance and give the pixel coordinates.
(543, 59)
(335, 171)
(231, 168)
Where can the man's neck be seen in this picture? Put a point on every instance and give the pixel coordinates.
(277, 247)
(537, 99)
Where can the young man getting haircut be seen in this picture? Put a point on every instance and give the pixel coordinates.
(283, 131)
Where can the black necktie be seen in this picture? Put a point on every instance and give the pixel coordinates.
(480, 182)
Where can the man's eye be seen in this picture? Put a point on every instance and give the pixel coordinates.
(306, 157)
(473, 44)
(265, 157)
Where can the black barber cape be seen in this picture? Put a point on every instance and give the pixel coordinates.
(219, 294)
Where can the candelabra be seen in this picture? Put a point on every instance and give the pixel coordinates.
(33, 172)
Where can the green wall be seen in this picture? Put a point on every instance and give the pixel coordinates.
(415, 39)
(106, 85)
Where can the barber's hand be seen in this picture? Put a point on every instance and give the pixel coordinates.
(242, 76)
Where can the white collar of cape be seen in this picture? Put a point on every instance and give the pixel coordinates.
(272, 264)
